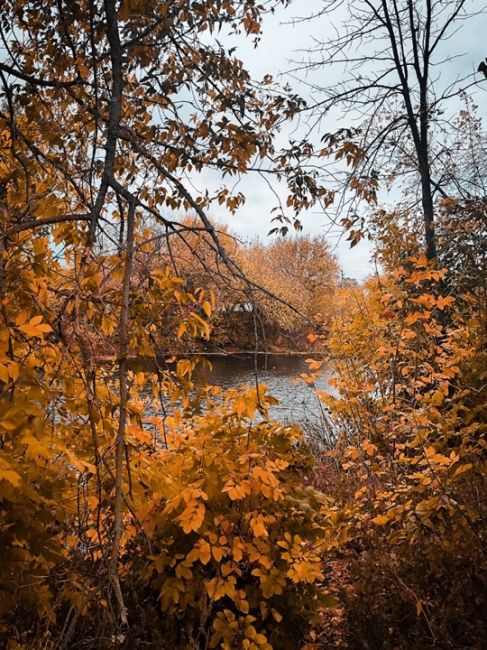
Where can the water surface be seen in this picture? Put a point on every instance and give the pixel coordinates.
(297, 402)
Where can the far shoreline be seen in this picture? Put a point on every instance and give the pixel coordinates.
(224, 353)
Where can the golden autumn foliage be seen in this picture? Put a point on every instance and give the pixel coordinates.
(408, 366)
(283, 285)
(215, 527)
(218, 530)
(234, 534)
(59, 408)
(297, 272)
(139, 508)
(96, 145)
(301, 271)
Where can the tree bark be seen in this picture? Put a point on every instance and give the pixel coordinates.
(122, 422)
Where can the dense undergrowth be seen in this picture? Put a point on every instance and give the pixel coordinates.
(409, 466)
(233, 535)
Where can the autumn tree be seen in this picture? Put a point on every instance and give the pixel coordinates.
(292, 279)
(410, 424)
(299, 269)
(460, 222)
(196, 259)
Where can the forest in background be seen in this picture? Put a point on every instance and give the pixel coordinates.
(296, 280)
(140, 509)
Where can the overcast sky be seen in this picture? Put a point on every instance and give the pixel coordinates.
(280, 44)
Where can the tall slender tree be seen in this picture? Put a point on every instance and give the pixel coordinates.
(398, 85)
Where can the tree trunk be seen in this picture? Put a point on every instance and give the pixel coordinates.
(428, 211)
(122, 422)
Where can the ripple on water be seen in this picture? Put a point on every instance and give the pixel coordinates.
(297, 401)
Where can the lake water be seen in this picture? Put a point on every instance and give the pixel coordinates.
(297, 402)
(281, 374)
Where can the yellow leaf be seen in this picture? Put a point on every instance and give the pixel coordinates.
(11, 477)
(426, 299)
(13, 371)
(276, 615)
(35, 327)
(206, 308)
(258, 527)
(443, 302)
(4, 374)
(215, 588)
(437, 398)
(218, 553)
(370, 448)
(239, 491)
(462, 469)
(241, 603)
(237, 549)
(9, 425)
(201, 552)
(21, 318)
(140, 434)
(381, 520)
(408, 334)
(34, 447)
(192, 517)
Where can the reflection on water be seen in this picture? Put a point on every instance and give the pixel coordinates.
(297, 402)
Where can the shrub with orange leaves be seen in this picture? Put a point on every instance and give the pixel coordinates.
(408, 366)
(236, 538)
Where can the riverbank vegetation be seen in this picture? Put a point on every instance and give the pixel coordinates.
(294, 283)
(142, 509)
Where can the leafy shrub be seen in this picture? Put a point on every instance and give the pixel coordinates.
(236, 537)
(408, 367)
